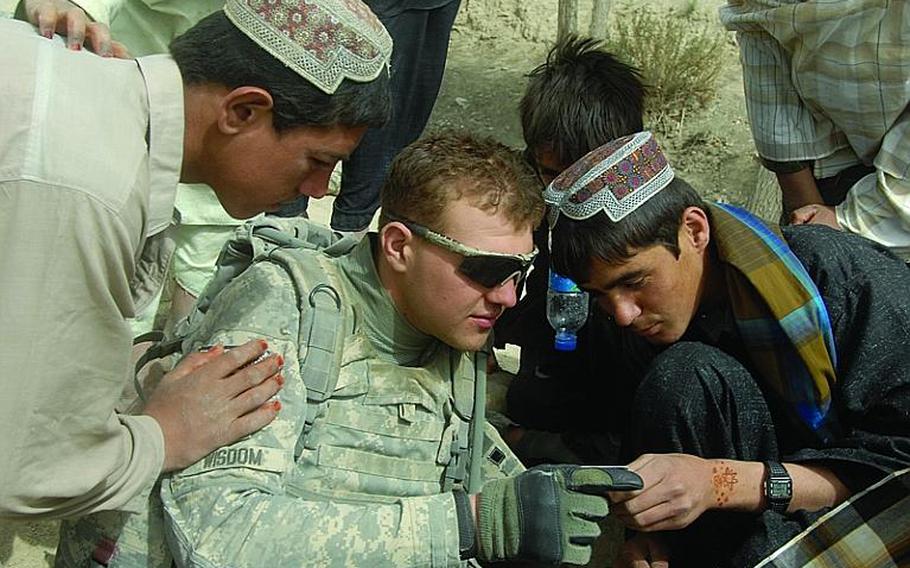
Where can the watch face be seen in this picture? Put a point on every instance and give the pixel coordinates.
(779, 489)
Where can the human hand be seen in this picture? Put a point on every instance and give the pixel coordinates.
(65, 18)
(678, 488)
(815, 214)
(214, 398)
(798, 189)
(546, 514)
(643, 551)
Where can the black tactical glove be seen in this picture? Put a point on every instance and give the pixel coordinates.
(547, 514)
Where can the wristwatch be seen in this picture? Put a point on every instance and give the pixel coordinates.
(778, 487)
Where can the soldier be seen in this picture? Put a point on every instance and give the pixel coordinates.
(256, 101)
(387, 474)
(395, 465)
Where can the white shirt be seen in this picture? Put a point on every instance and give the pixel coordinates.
(90, 155)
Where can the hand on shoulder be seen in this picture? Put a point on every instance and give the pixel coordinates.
(214, 398)
(815, 214)
(68, 19)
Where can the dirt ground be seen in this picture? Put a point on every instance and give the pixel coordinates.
(494, 44)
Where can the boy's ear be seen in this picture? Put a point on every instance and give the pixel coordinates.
(696, 228)
(244, 108)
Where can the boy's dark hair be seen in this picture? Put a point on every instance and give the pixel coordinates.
(433, 172)
(215, 51)
(581, 98)
(576, 243)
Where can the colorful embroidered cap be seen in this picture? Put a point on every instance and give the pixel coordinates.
(617, 178)
(324, 41)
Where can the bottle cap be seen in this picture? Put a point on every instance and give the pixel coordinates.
(565, 341)
(560, 283)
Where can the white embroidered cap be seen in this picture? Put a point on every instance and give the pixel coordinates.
(617, 178)
(324, 41)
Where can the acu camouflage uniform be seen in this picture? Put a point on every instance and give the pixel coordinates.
(371, 483)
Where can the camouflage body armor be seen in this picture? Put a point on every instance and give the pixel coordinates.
(392, 431)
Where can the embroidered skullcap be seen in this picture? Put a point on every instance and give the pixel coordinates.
(324, 41)
(617, 178)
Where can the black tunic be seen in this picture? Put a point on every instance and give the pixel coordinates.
(701, 396)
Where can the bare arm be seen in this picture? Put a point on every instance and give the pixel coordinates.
(678, 488)
(798, 189)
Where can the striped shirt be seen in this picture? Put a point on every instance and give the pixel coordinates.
(828, 81)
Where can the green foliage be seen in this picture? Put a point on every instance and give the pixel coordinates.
(690, 8)
(680, 57)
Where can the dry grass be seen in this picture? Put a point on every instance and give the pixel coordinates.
(680, 56)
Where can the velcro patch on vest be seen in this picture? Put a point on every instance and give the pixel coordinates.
(250, 457)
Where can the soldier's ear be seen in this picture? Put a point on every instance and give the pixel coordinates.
(396, 245)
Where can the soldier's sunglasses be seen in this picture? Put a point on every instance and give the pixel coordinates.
(489, 269)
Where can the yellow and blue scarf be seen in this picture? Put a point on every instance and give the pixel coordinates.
(780, 315)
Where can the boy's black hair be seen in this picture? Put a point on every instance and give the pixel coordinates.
(581, 98)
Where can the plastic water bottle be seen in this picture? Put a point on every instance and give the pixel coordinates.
(567, 310)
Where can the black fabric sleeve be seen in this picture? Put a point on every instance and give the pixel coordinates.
(867, 292)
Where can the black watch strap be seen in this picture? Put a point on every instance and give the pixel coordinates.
(778, 487)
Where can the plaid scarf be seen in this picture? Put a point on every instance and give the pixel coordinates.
(780, 315)
(866, 530)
